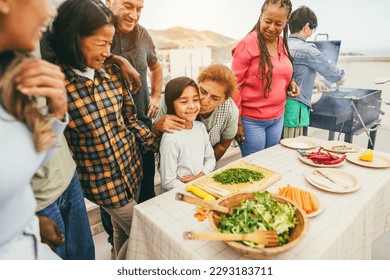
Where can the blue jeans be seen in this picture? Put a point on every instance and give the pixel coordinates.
(260, 135)
(147, 183)
(70, 214)
(107, 225)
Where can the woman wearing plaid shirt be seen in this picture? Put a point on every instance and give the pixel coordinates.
(103, 133)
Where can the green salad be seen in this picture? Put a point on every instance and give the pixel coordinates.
(262, 213)
(233, 176)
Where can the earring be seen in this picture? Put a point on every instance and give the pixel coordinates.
(4, 10)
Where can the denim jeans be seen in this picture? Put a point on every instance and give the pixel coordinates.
(147, 183)
(107, 225)
(70, 214)
(260, 135)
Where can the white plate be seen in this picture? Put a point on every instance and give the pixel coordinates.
(350, 147)
(379, 161)
(298, 143)
(310, 162)
(346, 182)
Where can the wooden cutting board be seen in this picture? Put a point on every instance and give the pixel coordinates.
(270, 177)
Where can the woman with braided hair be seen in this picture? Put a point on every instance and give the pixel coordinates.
(263, 68)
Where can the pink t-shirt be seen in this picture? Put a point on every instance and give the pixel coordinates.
(251, 101)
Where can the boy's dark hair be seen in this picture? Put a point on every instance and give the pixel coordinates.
(300, 17)
(174, 89)
(77, 19)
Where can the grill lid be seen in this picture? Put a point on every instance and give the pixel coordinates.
(329, 49)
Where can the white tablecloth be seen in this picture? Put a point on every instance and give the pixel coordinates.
(345, 229)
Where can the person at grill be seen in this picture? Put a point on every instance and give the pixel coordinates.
(308, 61)
(263, 68)
(187, 154)
(104, 134)
(218, 112)
(28, 134)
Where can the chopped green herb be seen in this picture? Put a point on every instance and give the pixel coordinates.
(237, 175)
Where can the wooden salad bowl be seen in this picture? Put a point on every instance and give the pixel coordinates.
(296, 234)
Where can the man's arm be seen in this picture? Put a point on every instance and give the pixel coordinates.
(156, 77)
(128, 72)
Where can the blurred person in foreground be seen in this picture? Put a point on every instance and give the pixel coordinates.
(57, 191)
(308, 61)
(103, 133)
(263, 68)
(28, 132)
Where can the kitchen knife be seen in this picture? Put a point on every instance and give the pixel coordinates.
(200, 193)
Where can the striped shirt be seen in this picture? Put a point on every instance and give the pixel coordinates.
(105, 136)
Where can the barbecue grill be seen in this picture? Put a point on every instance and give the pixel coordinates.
(346, 110)
(350, 111)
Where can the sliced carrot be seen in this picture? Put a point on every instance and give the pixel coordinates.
(297, 195)
(302, 198)
(202, 210)
(293, 195)
(308, 203)
(216, 217)
(299, 198)
(313, 203)
(284, 191)
(201, 218)
(288, 192)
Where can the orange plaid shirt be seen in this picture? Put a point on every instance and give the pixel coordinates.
(105, 136)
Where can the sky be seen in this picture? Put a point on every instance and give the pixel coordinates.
(361, 25)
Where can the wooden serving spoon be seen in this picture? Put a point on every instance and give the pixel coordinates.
(202, 203)
(268, 238)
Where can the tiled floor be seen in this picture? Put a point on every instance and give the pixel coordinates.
(381, 246)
